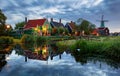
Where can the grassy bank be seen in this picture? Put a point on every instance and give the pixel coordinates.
(108, 46)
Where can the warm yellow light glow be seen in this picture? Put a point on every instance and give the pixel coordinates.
(36, 50)
(44, 50)
(75, 32)
(8, 26)
(44, 28)
(97, 34)
(38, 31)
(35, 29)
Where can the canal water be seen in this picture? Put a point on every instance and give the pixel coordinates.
(48, 60)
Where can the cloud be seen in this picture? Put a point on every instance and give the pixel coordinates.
(65, 9)
(66, 66)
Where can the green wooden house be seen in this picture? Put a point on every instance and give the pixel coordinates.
(40, 27)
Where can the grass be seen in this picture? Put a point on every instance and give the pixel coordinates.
(108, 46)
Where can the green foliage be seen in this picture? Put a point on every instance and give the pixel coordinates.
(54, 31)
(41, 40)
(108, 48)
(2, 18)
(85, 26)
(113, 49)
(81, 44)
(27, 39)
(19, 25)
(6, 40)
(66, 31)
(2, 23)
(60, 30)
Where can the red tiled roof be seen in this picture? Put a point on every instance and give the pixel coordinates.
(34, 23)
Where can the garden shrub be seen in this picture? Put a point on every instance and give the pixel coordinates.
(27, 39)
(41, 39)
(6, 40)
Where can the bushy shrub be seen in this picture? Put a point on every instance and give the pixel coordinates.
(6, 40)
(27, 39)
(41, 39)
(113, 49)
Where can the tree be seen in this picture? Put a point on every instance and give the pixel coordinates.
(66, 31)
(2, 23)
(19, 25)
(54, 31)
(85, 26)
(61, 30)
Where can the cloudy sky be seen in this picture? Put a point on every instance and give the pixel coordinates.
(67, 10)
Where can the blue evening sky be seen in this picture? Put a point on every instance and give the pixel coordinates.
(67, 10)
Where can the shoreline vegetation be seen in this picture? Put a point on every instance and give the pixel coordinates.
(105, 49)
(108, 46)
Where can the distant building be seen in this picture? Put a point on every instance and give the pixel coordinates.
(102, 30)
(56, 24)
(72, 28)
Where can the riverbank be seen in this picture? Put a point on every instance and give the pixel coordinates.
(108, 46)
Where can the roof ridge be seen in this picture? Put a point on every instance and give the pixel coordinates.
(37, 19)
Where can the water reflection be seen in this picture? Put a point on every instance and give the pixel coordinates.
(42, 52)
(84, 58)
(3, 62)
(48, 60)
(4, 52)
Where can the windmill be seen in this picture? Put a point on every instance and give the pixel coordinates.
(102, 21)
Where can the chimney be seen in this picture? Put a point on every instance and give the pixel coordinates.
(51, 19)
(60, 20)
(25, 20)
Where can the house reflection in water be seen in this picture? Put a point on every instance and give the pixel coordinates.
(39, 53)
(42, 53)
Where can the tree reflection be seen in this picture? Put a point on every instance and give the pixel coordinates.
(3, 52)
(84, 58)
(3, 62)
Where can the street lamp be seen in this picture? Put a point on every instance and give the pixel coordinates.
(7, 26)
(7, 29)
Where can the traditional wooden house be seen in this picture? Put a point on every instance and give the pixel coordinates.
(56, 24)
(57, 27)
(38, 26)
(102, 30)
(95, 32)
(72, 28)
